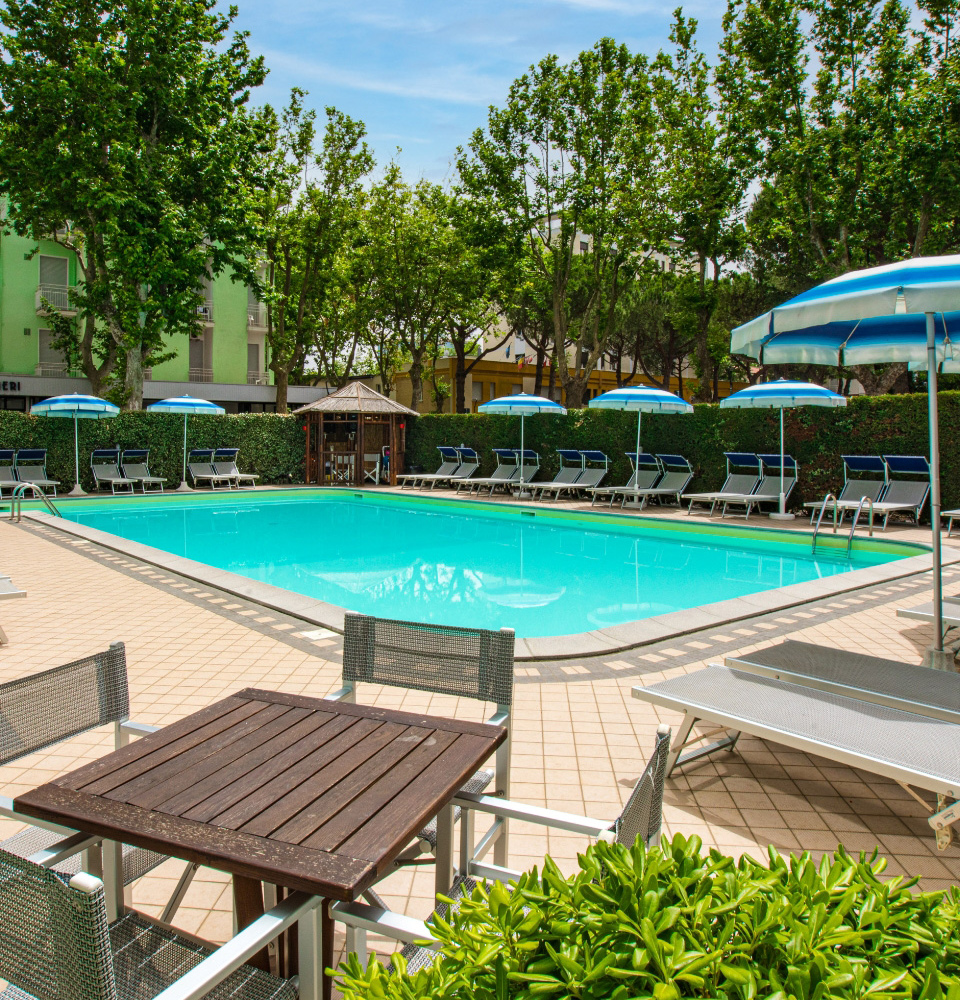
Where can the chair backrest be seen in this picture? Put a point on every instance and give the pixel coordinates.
(642, 816)
(45, 708)
(105, 462)
(445, 469)
(675, 482)
(591, 477)
(133, 463)
(55, 940)
(569, 474)
(740, 483)
(7, 456)
(907, 494)
(32, 460)
(646, 479)
(770, 485)
(200, 460)
(444, 659)
(225, 461)
(854, 489)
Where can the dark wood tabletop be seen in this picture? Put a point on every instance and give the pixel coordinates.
(309, 794)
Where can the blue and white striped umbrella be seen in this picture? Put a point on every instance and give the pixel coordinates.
(524, 405)
(189, 406)
(782, 395)
(76, 406)
(643, 399)
(898, 312)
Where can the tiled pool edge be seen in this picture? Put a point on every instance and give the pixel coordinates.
(607, 641)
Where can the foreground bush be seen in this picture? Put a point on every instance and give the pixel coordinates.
(673, 922)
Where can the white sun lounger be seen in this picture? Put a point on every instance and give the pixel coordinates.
(507, 471)
(677, 473)
(924, 612)
(912, 749)
(448, 466)
(768, 490)
(735, 486)
(647, 472)
(854, 489)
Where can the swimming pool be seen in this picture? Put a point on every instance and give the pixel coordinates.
(541, 572)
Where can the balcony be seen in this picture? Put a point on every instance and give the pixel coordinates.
(257, 316)
(55, 369)
(205, 312)
(258, 378)
(58, 296)
(200, 374)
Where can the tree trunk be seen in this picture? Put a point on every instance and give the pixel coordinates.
(416, 379)
(282, 380)
(538, 373)
(877, 383)
(133, 381)
(460, 382)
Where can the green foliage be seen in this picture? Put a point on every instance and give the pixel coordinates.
(271, 445)
(672, 922)
(816, 437)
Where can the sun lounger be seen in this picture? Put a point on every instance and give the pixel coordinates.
(904, 496)
(677, 473)
(105, 466)
(912, 749)
(768, 490)
(507, 471)
(950, 608)
(571, 468)
(8, 477)
(935, 693)
(201, 470)
(450, 464)
(8, 592)
(225, 465)
(736, 485)
(469, 463)
(647, 472)
(133, 464)
(855, 487)
(30, 466)
(589, 479)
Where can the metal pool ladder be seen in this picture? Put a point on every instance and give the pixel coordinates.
(16, 501)
(853, 526)
(823, 507)
(856, 517)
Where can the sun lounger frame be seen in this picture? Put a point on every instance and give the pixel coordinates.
(737, 484)
(768, 489)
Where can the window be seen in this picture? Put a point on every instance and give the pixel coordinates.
(584, 246)
(516, 389)
(54, 271)
(491, 390)
(508, 350)
(477, 392)
(52, 361)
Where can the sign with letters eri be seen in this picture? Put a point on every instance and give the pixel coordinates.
(9, 386)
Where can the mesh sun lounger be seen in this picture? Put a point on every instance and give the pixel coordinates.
(854, 487)
(105, 466)
(647, 472)
(469, 463)
(507, 471)
(935, 693)
(571, 468)
(590, 478)
(924, 612)
(225, 465)
(8, 477)
(677, 473)
(133, 464)
(768, 490)
(31, 467)
(904, 496)
(200, 467)
(914, 750)
(449, 465)
(736, 485)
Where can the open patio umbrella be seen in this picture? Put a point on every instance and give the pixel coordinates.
(643, 399)
(79, 407)
(522, 404)
(898, 312)
(782, 395)
(189, 407)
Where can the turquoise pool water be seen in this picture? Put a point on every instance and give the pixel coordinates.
(479, 564)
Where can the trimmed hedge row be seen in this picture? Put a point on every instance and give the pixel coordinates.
(815, 436)
(271, 445)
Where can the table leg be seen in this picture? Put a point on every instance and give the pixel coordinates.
(315, 947)
(112, 861)
(444, 850)
(248, 902)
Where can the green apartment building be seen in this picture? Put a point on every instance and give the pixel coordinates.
(225, 361)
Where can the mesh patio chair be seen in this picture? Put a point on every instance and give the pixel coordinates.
(56, 943)
(443, 659)
(105, 466)
(31, 467)
(641, 818)
(39, 711)
(134, 464)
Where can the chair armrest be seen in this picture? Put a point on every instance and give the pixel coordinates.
(340, 694)
(63, 849)
(499, 719)
(137, 728)
(212, 971)
(380, 921)
(599, 828)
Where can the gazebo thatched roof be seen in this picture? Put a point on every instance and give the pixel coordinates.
(356, 398)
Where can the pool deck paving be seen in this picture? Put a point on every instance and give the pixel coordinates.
(580, 739)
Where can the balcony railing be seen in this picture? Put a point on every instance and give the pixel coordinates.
(257, 315)
(205, 312)
(55, 369)
(57, 295)
(258, 378)
(200, 374)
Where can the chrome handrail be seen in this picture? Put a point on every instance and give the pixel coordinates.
(856, 517)
(16, 500)
(823, 507)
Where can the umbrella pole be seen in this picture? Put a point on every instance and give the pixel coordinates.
(524, 492)
(183, 488)
(78, 490)
(782, 515)
(636, 468)
(936, 655)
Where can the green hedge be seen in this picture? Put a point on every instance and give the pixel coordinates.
(816, 437)
(676, 922)
(271, 445)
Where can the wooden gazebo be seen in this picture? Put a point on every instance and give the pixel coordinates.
(354, 436)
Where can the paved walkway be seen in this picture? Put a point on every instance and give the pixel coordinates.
(580, 739)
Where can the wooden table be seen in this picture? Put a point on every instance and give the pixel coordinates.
(297, 792)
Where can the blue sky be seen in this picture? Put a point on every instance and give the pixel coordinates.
(422, 74)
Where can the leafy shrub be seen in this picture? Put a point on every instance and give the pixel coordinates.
(815, 436)
(673, 922)
(271, 445)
